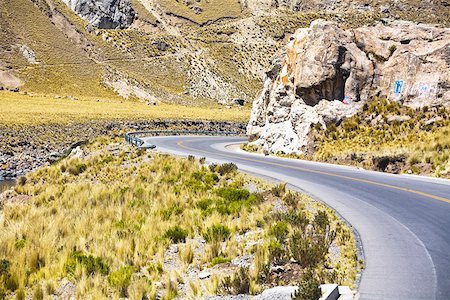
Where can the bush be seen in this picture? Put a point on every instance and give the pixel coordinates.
(309, 288)
(310, 249)
(279, 190)
(321, 221)
(121, 279)
(92, 265)
(176, 234)
(219, 260)
(204, 204)
(276, 252)
(217, 233)
(279, 230)
(296, 219)
(77, 169)
(213, 167)
(237, 284)
(227, 168)
(4, 267)
(232, 194)
(291, 200)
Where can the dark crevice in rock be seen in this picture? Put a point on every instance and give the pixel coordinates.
(330, 89)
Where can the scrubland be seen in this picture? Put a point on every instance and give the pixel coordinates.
(114, 222)
(385, 136)
(389, 137)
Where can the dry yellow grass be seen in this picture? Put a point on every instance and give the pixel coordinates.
(76, 220)
(18, 109)
(211, 10)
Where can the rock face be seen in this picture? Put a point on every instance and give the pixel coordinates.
(104, 14)
(326, 74)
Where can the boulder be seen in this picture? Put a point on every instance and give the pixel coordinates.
(326, 74)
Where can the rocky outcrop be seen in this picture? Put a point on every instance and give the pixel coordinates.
(326, 74)
(104, 14)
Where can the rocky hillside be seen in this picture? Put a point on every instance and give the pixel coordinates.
(169, 50)
(327, 73)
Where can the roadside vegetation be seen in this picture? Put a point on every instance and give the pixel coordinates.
(389, 137)
(113, 221)
(385, 136)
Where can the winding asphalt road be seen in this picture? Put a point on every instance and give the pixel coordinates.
(403, 221)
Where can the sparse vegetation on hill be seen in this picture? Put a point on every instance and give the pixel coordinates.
(131, 223)
(203, 11)
(385, 136)
(389, 137)
(216, 50)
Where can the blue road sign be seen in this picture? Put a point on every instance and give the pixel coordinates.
(398, 87)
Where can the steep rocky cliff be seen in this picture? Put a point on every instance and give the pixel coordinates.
(326, 74)
(105, 14)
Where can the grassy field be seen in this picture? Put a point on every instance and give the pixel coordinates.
(76, 228)
(18, 109)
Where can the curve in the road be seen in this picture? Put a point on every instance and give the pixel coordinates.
(403, 222)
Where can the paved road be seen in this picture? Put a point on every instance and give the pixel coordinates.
(403, 221)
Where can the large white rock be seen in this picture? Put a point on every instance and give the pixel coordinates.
(105, 14)
(326, 74)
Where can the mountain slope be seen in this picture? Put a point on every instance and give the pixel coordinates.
(169, 50)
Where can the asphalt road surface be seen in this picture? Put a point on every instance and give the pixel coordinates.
(403, 221)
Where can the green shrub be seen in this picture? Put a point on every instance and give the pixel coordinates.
(277, 253)
(219, 260)
(121, 279)
(309, 288)
(310, 249)
(176, 234)
(91, 264)
(4, 267)
(19, 244)
(279, 230)
(227, 168)
(296, 219)
(217, 233)
(174, 210)
(213, 167)
(237, 284)
(204, 204)
(291, 200)
(232, 194)
(321, 221)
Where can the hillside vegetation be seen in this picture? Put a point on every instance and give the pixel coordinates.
(75, 229)
(385, 136)
(389, 137)
(175, 51)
